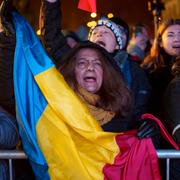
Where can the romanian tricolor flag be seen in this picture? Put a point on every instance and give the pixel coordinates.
(60, 137)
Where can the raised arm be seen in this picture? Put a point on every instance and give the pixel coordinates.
(52, 37)
(7, 46)
(9, 136)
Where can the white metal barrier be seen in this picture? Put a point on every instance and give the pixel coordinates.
(168, 154)
(10, 155)
(15, 154)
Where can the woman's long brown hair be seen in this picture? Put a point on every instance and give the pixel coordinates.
(114, 95)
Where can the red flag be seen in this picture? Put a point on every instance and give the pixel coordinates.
(87, 5)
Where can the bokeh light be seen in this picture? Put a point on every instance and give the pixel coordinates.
(93, 15)
(110, 15)
(91, 24)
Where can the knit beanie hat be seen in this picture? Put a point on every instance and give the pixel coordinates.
(112, 26)
(124, 27)
(120, 22)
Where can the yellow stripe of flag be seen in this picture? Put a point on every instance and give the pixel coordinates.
(72, 141)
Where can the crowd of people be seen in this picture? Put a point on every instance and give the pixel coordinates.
(117, 77)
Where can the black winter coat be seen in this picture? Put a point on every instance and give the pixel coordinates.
(172, 108)
(159, 77)
(171, 114)
(7, 46)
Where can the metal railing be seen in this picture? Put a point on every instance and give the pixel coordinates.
(16, 154)
(10, 155)
(168, 154)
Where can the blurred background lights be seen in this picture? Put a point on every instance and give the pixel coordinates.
(91, 23)
(38, 32)
(110, 15)
(93, 15)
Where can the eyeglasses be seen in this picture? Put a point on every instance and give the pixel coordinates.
(83, 63)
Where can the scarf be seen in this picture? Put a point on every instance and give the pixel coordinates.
(91, 100)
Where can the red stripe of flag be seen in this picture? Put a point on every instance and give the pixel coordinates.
(87, 5)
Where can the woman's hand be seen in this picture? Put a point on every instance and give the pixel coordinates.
(148, 128)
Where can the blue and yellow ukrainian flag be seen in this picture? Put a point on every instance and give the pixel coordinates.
(60, 137)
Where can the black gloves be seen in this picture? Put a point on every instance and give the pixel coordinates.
(148, 128)
(5, 17)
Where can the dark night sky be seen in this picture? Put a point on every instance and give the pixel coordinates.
(132, 11)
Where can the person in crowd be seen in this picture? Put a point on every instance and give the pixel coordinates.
(6, 66)
(171, 105)
(138, 43)
(8, 126)
(165, 49)
(89, 69)
(9, 138)
(114, 40)
(171, 114)
(9, 135)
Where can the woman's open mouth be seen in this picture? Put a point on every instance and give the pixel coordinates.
(90, 79)
(101, 43)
